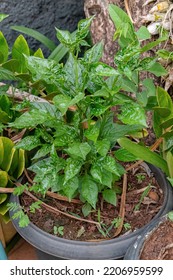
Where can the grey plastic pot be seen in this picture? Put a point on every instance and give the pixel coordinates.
(134, 251)
(51, 247)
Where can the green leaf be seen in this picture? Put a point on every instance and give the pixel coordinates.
(21, 164)
(96, 172)
(62, 102)
(170, 215)
(157, 69)
(112, 166)
(9, 150)
(3, 179)
(169, 159)
(42, 152)
(93, 132)
(19, 49)
(80, 150)
(73, 167)
(143, 33)
(164, 99)
(43, 69)
(86, 209)
(110, 196)
(65, 37)
(39, 53)
(152, 44)
(132, 113)
(120, 18)
(123, 155)
(83, 27)
(89, 190)
(30, 119)
(104, 70)
(94, 54)
(3, 16)
(144, 154)
(58, 53)
(4, 47)
(7, 75)
(127, 84)
(3, 197)
(28, 143)
(102, 147)
(36, 35)
(71, 187)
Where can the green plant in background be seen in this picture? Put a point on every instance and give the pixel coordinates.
(163, 127)
(12, 164)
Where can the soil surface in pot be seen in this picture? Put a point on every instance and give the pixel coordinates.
(159, 245)
(144, 199)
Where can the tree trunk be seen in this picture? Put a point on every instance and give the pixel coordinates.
(102, 28)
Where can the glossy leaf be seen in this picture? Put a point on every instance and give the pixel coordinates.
(112, 166)
(89, 190)
(102, 147)
(92, 133)
(94, 54)
(104, 70)
(72, 169)
(79, 150)
(28, 143)
(30, 119)
(43, 69)
(132, 113)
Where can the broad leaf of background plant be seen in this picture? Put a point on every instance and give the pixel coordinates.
(19, 49)
(36, 35)
(144, 153)
(3, 48)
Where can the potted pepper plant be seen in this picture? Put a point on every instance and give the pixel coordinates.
(78, 181)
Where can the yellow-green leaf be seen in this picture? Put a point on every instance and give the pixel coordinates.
(4, 47)
(3, 179)
(8, 153)
(3, 197)
(21, 164)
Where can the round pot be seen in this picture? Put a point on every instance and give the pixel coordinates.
(135, 250)
(55, 247)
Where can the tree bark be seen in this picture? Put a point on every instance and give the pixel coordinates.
(102, 28)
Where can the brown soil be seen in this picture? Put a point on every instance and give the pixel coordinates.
(79, 230)
(159, 245)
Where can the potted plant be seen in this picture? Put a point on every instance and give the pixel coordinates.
(73, 132)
